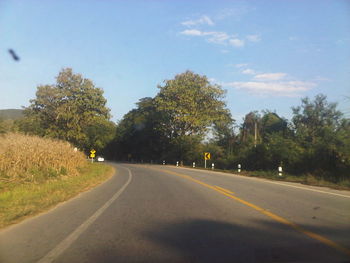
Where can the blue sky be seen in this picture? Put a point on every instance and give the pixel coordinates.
(266, 54)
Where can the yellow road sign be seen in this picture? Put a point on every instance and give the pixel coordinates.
(92, 151)
(206, 156)
(92, 155)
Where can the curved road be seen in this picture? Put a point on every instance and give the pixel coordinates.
(157, 213)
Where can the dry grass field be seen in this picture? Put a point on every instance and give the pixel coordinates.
(37, 173)
(26, 158)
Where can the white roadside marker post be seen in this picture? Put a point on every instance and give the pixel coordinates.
(193, 164)
(280, 170)
(163, 162)
(177, 163)
(212, 166)
(239, 167)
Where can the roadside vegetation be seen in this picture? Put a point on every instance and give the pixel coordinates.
(38, 173)
(31, 159)
(307, 179)
(187, 117)
(72, 109)
(40, 164)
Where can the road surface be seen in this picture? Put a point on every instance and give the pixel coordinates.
(151, 213)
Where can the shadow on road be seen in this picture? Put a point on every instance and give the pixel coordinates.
(213, 241)
(200, 240)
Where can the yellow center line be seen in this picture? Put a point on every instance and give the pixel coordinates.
(223, 189)
(277, 218)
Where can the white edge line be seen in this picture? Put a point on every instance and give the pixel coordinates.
(314, 190)
(64, 244)
(267, 181)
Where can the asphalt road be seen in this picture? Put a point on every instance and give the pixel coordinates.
(156, 213)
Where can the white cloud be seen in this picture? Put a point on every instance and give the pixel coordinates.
(284, 88)
(272, 84)
(202, 20)
(253, 38)
(236, 42)
(212, 36)
(248, 71)
(217, 37)
(191, 32)
(270, 76)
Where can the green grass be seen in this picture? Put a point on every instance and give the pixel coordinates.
(19, 201)
(304, 179)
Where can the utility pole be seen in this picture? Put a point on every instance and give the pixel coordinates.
(255, 133)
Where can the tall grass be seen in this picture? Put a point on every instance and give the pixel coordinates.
(26, 158)
(37, 173)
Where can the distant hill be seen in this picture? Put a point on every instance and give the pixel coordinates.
(11, 114)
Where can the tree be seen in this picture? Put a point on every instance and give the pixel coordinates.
(250, 128)
(68, 110)
(138, 136)
(172, 125)
(272, 123)
(283, 150)
(224, 137)
(324, 134)
(190, 104)
(99, 133)
(313, 117)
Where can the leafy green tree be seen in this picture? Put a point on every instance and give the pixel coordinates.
(283, 150)
(7, 125)
(312, 118)
(31, 125)
(67, 110)
(138, 136)
(172, 125)
(219, 155)
(190, 104)
(99, 133)
(223, 131)
(251, 126)
(271, 146)
(324, 135)
(186, 148)
(272, 123)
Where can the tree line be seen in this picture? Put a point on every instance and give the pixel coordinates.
(187, 117)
